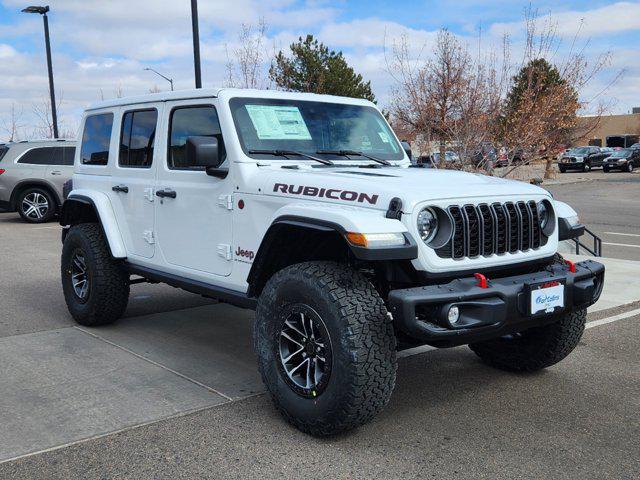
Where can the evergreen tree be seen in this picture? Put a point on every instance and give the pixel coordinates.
(313, 67)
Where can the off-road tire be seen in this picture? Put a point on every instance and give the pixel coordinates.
(536, 348)
(363, 369)
(51, 209)
(108, 292)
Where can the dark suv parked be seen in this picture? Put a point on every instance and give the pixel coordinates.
(582, 158)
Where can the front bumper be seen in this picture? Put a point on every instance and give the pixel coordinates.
(500, 309)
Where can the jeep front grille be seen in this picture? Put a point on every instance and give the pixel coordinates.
(495, 228)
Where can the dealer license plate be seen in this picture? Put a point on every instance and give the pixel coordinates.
(547, 299)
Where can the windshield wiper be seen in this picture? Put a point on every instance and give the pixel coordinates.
(351, 153)
(287, 153)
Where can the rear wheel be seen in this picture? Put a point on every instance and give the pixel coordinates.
(536, 348)
(36, 205)
(325, 347)
(95, 286)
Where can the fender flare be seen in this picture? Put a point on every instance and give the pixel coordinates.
(255, 278)
(32, 183)
(101, 206)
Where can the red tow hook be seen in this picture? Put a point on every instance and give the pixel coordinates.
(482, 280)
(572, 266)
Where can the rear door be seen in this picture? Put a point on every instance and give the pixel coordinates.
(61, 168)
(133, 177)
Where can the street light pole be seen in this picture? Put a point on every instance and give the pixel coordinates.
(170, 80)
(43, 11)
(196, 42)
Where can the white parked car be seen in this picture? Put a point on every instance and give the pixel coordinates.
(306, 208)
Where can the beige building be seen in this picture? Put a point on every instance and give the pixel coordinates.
(608, 125)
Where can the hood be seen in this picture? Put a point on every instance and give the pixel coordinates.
(375, 187)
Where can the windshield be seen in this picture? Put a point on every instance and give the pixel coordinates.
(624, 153)
(580, 151)
(312, 127)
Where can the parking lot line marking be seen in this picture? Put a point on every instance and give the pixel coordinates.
(410, 352)
(615, 318)
(625, 234)
(621, 245)
(164, 367)
(43, 228)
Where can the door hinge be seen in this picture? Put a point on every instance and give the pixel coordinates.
(225, 201)
(224, 251)
(148, 194)
(148, 236)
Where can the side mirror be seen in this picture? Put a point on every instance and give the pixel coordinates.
(203, 152)
(407, 148)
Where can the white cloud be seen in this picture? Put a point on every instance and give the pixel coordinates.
(613, 18)
(6, 51)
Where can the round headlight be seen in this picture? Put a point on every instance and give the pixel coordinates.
(543, 215)
(427, 224)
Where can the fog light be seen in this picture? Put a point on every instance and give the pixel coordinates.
(453, 315)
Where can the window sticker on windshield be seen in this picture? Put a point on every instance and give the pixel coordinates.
(384, 137)
(278, 122)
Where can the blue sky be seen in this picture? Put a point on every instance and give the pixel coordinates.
(100, 47)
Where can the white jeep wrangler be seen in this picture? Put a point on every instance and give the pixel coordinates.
(307, 209)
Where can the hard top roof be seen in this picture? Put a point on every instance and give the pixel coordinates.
(216, 92)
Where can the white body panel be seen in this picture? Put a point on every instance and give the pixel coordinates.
(194, 232)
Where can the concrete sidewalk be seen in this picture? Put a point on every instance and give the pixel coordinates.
(621, 281)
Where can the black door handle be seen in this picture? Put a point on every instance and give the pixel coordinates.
(120, 188)
(167, 192)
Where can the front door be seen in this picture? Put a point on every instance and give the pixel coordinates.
(193, 214)
(133, 179)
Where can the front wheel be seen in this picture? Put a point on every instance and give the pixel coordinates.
(325, 347)
(562, 169)
(536, 348)
(95, 286)
(630, 167)
(605, 169)
(586, 167)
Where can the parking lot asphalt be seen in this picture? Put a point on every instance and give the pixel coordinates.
(171, 391)
(609, 204)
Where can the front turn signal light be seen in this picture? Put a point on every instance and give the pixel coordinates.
(375, 240)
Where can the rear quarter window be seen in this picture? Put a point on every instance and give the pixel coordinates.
(96, 138)
(3, 151)
(42, 156)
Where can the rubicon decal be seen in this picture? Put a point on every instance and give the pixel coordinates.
(331, 193)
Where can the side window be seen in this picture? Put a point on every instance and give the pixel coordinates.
(137, 138)
(189, 122)
(96, 138)
(68, 154)
(42, 156)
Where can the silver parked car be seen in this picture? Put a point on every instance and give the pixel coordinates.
(32, 175)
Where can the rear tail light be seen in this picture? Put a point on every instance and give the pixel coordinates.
(2, 170)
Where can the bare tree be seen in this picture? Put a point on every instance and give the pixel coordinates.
(246, 64)
(155, 89)
(475, 105)
(12, 125)
(118, 92)
(42, 112)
